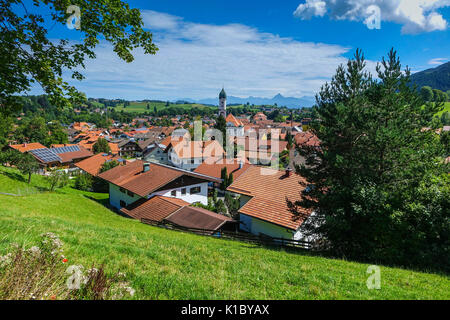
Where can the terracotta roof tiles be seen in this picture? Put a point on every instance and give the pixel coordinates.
(269, 189)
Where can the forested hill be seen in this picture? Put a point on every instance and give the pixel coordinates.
(436, 78)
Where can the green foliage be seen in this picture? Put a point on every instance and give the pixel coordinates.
(26, 164)
(368, 172)
(35, 58)
(220, 207)
(439, 96)
(83, 181)
(5, 129)
(108, 165)
(36, 129)
(57, 179)
(427, 93)
(224, 177)
(233, 205)
(101, 146)
(221, 125)
(445, 141)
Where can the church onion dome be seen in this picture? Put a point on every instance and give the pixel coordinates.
(222, 94)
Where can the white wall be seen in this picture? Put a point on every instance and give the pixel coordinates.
(257, 226)
(115, 195)
(160, 157)
(184, 164)
(201, 197)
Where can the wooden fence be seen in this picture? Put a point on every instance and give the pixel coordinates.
(239, 236)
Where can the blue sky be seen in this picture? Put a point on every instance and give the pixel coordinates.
(261, 48)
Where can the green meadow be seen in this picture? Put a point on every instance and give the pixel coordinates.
(164, 264)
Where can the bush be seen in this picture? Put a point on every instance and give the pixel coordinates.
(83, 181)
(57, 179)
(41, 273)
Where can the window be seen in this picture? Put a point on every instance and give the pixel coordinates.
(183, 191)
(192, 161)
(174, 193)
(123, 190)
(131, 194)
(123, 203)
(196, 190)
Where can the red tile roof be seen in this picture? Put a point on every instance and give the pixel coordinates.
(197, 218)
(234, 121)
(27, 146)
(215, 169)
(263, 146)
(76, 155)
(155, 209)
(269, 190)
(131, 177)
(93, 164)
(307, 138)
(197, 149)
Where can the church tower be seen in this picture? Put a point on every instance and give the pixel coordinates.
(223, 103)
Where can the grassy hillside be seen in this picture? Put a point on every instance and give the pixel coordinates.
(446, 109)
(141, 107)
(163, 264)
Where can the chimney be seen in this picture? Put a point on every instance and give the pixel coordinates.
(146, 167)
(289, 172)
(25, 144)
(241, 164)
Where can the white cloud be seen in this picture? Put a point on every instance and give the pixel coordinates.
(438, 61)
(415, 16)
(195, 60)
(160, 21)
(311, 8)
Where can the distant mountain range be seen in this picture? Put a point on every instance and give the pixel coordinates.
(279, 99)
(437, 78)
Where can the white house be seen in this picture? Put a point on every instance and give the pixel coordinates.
(235, 127)
(140, 181)
(264, 209)
(188, 155)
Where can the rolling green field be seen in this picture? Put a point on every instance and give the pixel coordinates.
(163, 264)
(141, 107)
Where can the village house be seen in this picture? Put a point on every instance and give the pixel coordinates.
(140, 181)
(234, 167)
(61, 158)
(188, 155)
(235, 127)
(155, 153)
(178, 213)
(263, 207)
(129, 148)
(25, 147)
(260, 151)
(92, 165)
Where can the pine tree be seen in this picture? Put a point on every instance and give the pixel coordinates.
(363, 181)
(101, 146)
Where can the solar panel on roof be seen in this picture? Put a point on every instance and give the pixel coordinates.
(66, 149)
(46, 155)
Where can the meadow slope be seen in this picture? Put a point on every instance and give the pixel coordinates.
(163, 264)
